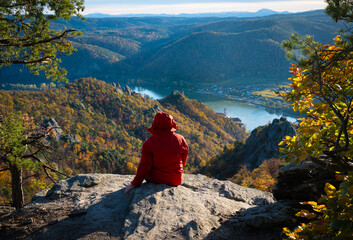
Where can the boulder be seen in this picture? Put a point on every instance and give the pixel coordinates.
(302, 182)
(262, 222)
(94, 206)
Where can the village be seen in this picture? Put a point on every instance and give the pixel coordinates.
(258, 96)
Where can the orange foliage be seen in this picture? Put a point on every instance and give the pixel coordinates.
(262, 178)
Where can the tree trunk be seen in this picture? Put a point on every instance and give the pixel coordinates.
(17, 190)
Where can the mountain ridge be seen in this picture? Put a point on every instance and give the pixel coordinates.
(234, 50)
(240, 14)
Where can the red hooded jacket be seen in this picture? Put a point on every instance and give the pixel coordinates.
(163, 155)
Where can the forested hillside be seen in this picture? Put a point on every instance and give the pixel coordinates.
(102, 127)
(184, 52)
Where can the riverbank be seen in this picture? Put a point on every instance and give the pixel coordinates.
(252, 114)
(253, 97)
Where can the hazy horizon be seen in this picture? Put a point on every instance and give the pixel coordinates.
(123, 7)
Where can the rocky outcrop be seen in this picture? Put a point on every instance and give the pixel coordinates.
(177, 93)
(119, 91)
(53, 126)
(94, 206)
(263, 141)
(302, 182)
(55, 131)
(72, 138)
(128, 90)
(153, 110)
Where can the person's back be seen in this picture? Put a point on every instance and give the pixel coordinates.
(163, 155)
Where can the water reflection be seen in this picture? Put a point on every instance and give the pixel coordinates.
(251, 116)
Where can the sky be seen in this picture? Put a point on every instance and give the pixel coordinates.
(116, 7)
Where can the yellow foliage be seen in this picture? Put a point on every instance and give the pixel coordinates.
(261, 178)
(202, 163)
(130, 168)
(68, 171)
(330, 190)
(325, 106)
(306, 214)
(36, 185)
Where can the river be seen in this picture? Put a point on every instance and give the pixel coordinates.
(251, 116)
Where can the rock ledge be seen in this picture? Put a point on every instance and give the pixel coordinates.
(94, 206)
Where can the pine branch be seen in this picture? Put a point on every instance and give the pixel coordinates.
(30, 44)
(46, 58)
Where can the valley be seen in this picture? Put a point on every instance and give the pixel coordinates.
(78, 97)
(184, 53)
(252, 114)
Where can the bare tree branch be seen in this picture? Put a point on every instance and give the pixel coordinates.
(33, 175)
(54, 170)
(48, 175)
(45, 166)
(5, 169)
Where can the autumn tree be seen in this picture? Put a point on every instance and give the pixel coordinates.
(262, 178)
(322, 88)
(21, 148)
(26, 36)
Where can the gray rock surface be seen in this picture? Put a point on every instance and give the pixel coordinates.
(72, 138)
(94, 206)
(128, 90)
(119, 91)
(54, 126)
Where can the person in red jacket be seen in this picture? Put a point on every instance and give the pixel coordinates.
(163, 155)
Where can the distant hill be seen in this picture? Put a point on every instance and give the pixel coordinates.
(184, 51)
(234, 51)
(260, 13)
(209, 57)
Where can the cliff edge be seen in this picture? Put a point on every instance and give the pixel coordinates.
(94, 206)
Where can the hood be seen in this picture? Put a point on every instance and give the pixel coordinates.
(162, 121)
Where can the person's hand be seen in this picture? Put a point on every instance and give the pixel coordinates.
(129, 187)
